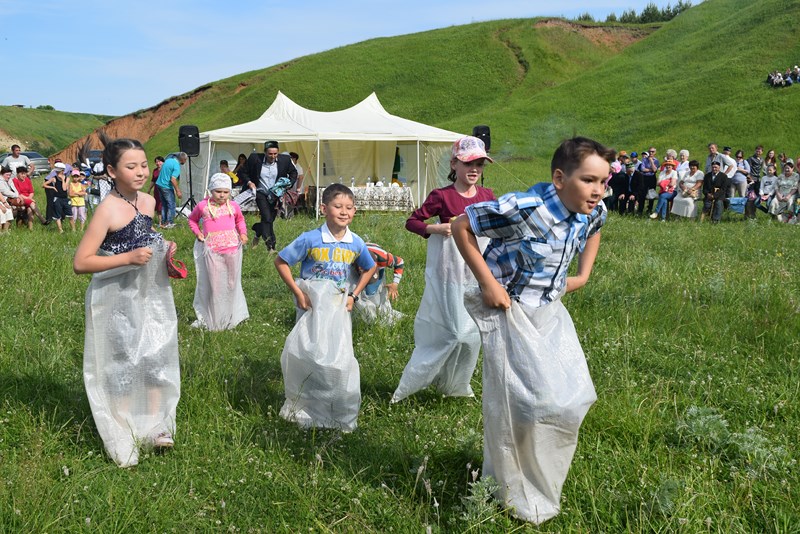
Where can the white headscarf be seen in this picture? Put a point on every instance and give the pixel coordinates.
(219, 180)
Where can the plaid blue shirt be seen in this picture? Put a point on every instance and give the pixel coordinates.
(533, 240)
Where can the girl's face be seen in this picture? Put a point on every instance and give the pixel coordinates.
(468, 173)
(770, 171)
(220, 196)
(771, 154)
(131, 171)
(76, 178)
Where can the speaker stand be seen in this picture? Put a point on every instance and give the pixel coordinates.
(190, 202)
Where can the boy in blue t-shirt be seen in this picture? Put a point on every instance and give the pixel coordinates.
(320, 373)
(328, 252)
(536, 384)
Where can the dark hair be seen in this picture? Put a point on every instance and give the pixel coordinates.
(13, 147)
(114, 148)
(452, 176)
(240, 158)
(760, 146)
(739, 152)
(23, 169)
(160, 158)
(270, 144)
(334, 190)
(5, 170)
(223, 162)
(571, 153)
(694, 163)
(294, 155)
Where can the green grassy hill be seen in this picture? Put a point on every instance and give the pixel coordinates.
(46, 131)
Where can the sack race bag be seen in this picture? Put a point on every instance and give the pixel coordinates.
(130, 356)
(219, 300)
(321, 376)
(446, 340)
(536, 392)
(373, 305)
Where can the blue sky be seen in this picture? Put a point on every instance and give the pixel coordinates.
(115, 57)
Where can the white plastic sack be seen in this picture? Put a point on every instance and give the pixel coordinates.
(219, 300)
(446, 340)
(377, 308)
(321, 376)
(130, 356)
(373, 303)
(536, 392)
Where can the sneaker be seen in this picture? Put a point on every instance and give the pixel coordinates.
(164, 441)
(653, 215)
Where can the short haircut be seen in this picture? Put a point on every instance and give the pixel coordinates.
(294, 155)
(14, 146)
(270, 144)
(160, 158)
(694, 163)
(334, 190)
(223, 162)
(571, 153)
(22, 170)
(760, 146)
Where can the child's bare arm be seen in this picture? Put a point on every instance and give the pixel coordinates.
(585, 264)
(285, 272)
(494, 295)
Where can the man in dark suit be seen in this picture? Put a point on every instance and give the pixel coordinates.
(627, 189)
(263, 170)
(715, 191)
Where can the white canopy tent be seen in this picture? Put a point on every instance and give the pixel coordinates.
(352, 144)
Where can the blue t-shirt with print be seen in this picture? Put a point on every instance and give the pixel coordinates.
(321, 257)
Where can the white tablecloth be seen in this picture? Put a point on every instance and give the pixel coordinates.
(383, 198)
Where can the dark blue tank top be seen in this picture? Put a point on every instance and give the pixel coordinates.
(136, 234)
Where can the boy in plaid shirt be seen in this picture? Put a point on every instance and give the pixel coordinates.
(536, 385)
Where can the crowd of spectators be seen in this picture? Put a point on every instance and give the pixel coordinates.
(787, 78)
(66, 189)
(683, 187)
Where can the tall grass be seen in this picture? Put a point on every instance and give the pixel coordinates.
(691, 336)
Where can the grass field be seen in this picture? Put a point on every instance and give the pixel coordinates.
(691, 337)
(47, 131)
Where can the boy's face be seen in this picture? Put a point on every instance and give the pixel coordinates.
(220, 196)
(22, 174)
(339, 212)
(223, 167)
(581, 191)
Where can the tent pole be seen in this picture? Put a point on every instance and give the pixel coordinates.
(419, 178)
(316, 200)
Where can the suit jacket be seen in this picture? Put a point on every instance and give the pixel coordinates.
(719, 181)
(256, 161)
